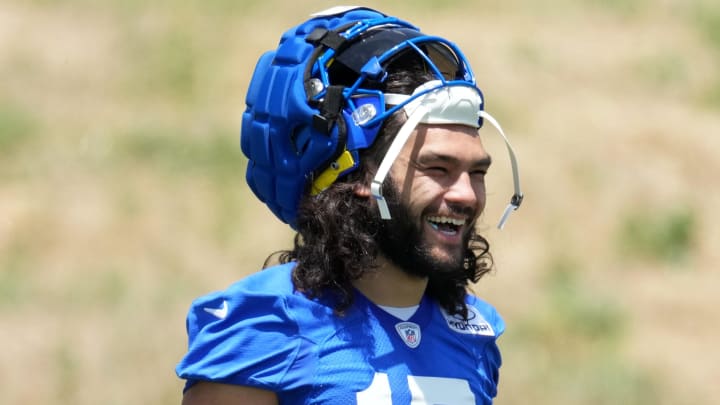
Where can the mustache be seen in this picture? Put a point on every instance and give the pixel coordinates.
(459, 210)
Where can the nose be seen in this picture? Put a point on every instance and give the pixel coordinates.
(465, 191)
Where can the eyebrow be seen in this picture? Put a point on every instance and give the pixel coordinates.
(433, 157)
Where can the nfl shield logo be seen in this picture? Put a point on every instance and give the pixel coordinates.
(410, 333)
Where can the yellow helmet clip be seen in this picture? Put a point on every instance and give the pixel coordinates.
(329, 175)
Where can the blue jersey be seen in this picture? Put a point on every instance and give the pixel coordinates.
(260, 332)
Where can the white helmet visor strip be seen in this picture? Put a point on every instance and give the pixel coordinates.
(442, 105)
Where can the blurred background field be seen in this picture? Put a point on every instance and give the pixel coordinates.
(122, 193)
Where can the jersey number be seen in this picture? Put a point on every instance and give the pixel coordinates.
(424, 391)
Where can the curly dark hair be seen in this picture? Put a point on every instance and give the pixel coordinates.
(337, 240)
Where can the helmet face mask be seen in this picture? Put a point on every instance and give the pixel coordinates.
(387, 42)
(317, 101)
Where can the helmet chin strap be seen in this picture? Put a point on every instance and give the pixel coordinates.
(420, 114)
(517, 197)
(392, 154)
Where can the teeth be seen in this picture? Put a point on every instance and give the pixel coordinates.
(447, 220)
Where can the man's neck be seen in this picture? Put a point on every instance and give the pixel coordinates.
(390, 286)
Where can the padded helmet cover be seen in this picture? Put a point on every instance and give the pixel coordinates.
(297, 123)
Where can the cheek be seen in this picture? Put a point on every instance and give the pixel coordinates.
(481, 194)
(480, 190)
(424, 191)
(415, 200)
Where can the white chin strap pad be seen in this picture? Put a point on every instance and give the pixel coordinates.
(440, 104)
(517, 197)
(400, 139)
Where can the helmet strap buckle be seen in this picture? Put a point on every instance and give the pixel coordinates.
(330, 108)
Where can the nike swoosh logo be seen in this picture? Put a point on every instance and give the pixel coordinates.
(219, 313)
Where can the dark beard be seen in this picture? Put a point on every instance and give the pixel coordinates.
(400, 240)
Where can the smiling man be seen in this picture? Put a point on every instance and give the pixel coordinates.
(443, 167)
(361, 134)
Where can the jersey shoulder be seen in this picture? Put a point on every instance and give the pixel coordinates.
(484, 315)
(249, 333)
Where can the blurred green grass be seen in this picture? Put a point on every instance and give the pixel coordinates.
(122, 192)
(665, 236)
(18, 127)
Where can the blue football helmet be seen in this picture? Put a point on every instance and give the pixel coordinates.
(302, 131)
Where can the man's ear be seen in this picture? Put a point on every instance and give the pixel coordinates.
(361, 190)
